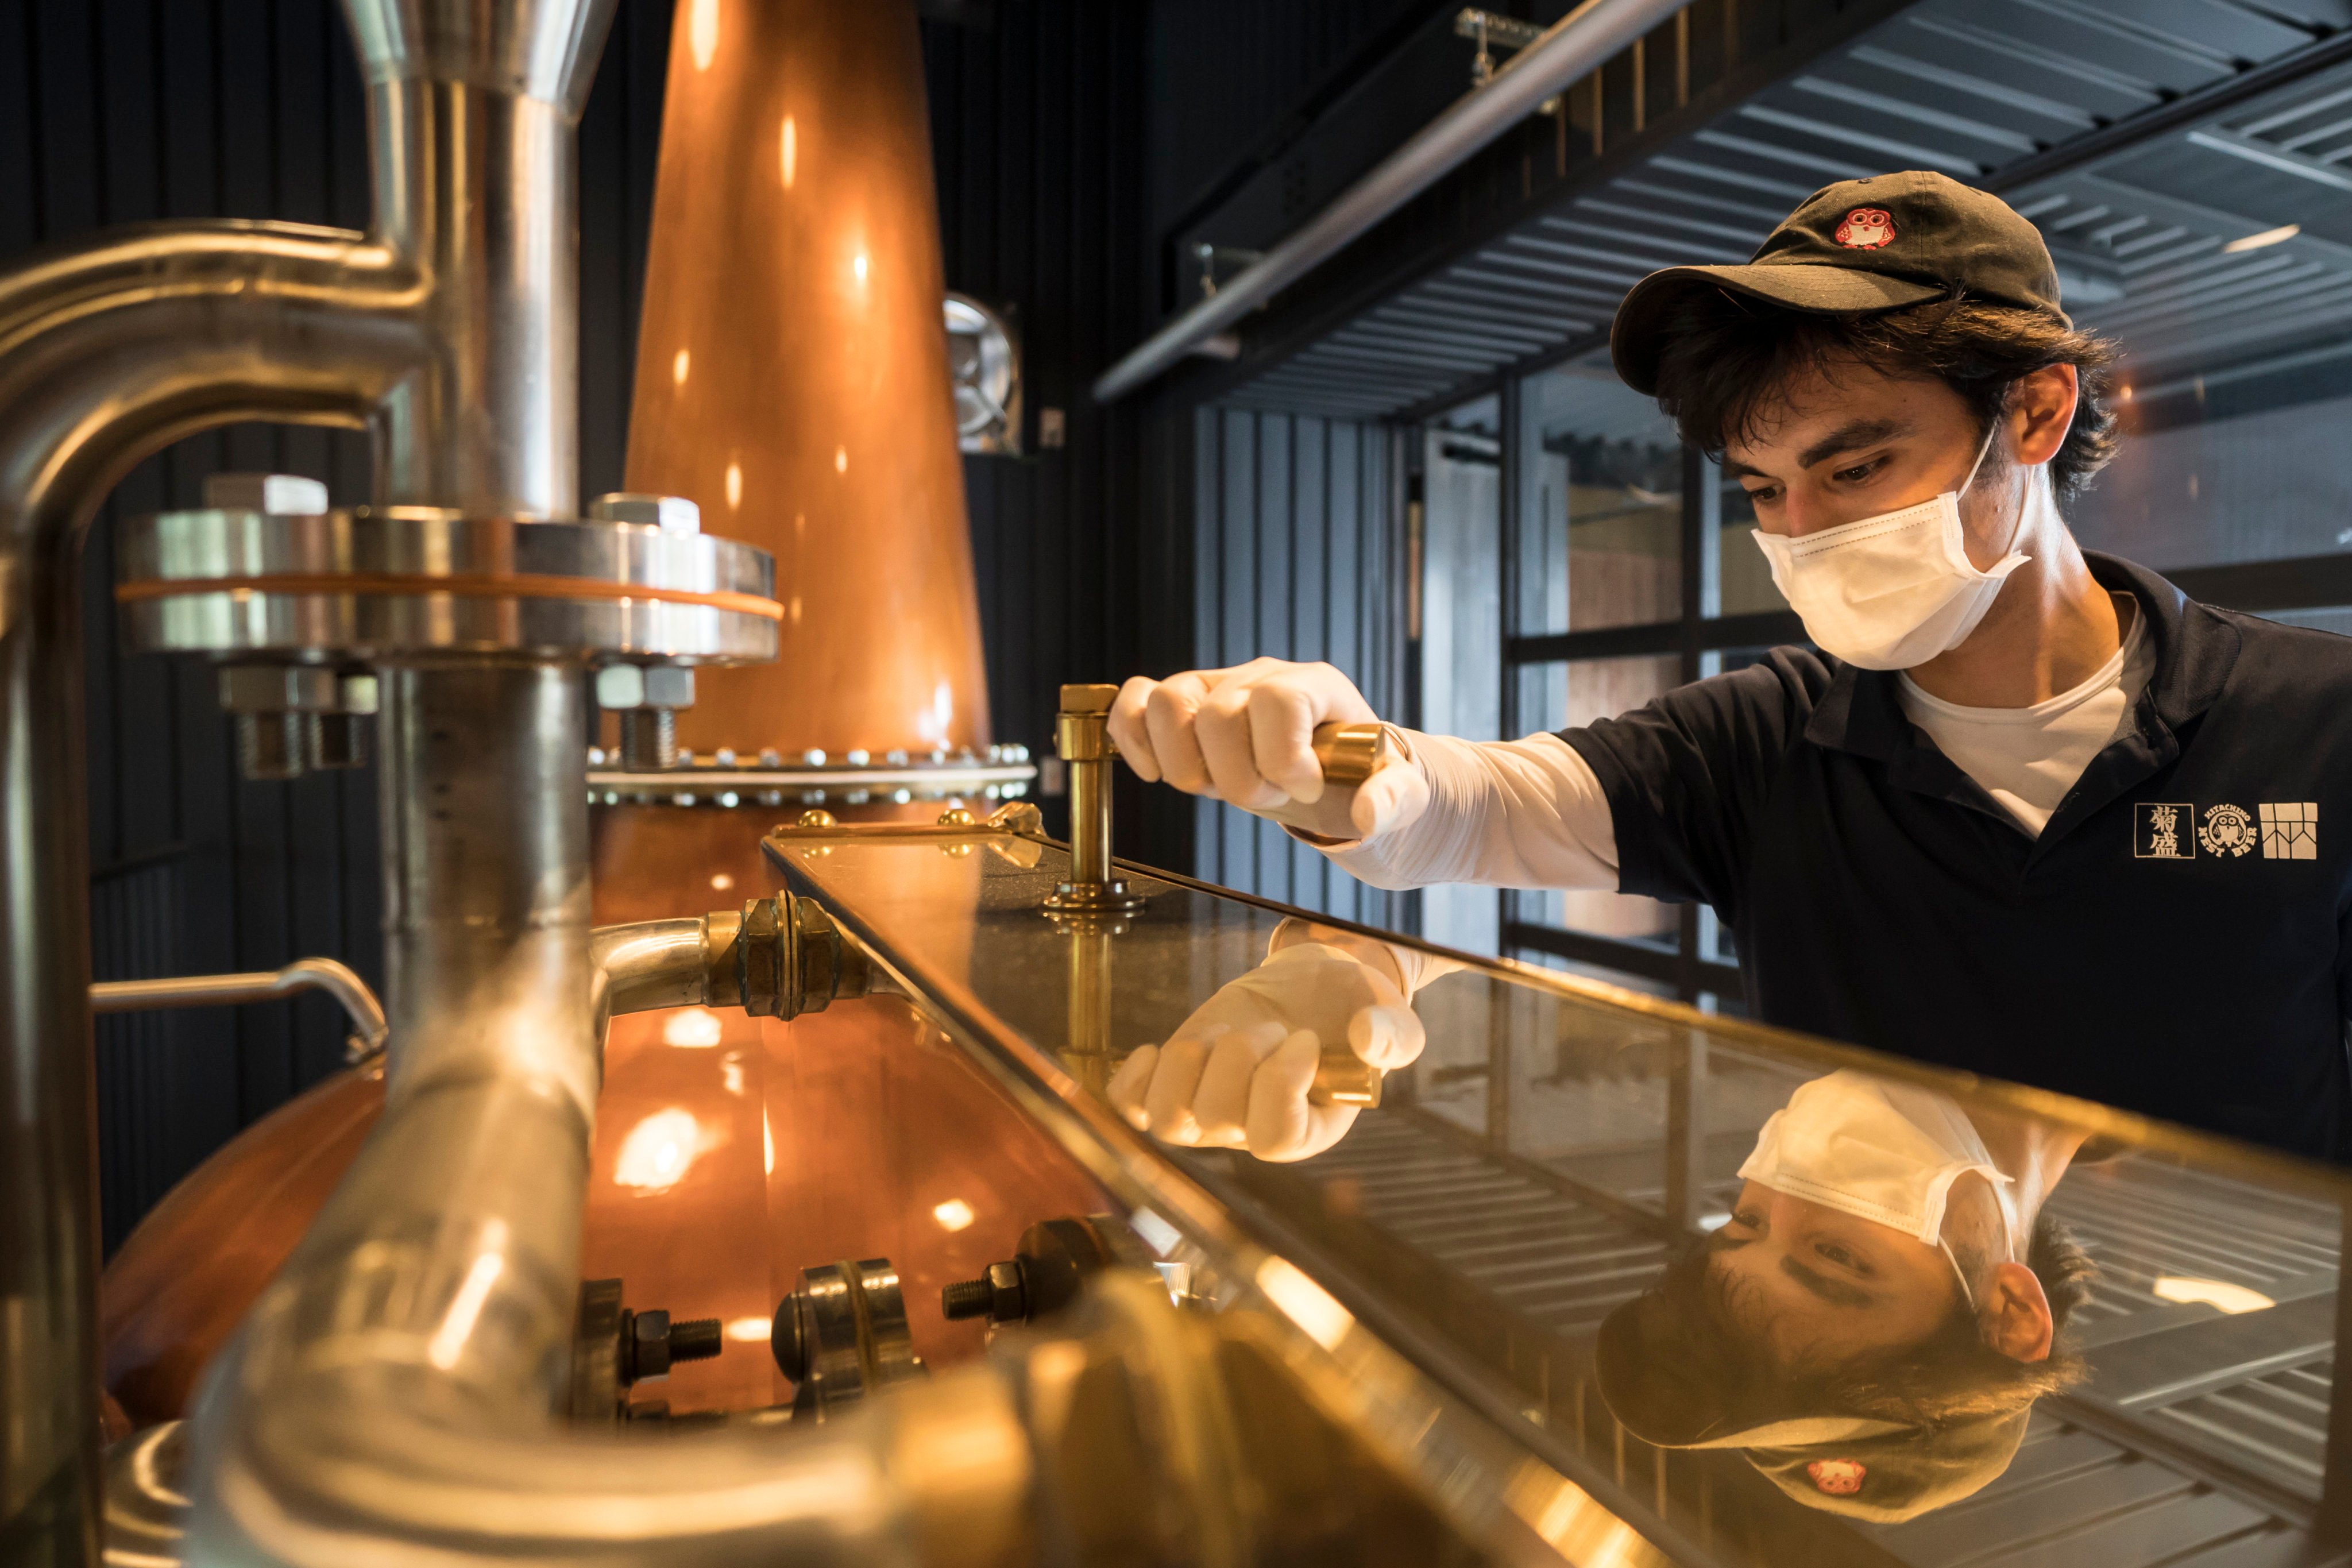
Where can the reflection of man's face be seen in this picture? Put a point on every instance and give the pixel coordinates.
(1821, 1288)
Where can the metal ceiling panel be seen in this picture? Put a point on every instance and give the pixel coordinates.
(1973, 87)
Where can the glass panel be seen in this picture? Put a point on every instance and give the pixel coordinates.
(2223, 287)
(1566, 696)
(2201, 481)
(1460, 626)
(1460, 633)
(1599, 540)
(1537, 1263)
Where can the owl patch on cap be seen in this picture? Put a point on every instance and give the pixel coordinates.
(1866, 228)
(1837, 1477)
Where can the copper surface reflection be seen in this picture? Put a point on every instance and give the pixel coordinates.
(730, 1152)
(792, 373)
(724, 1167)
(185, 1279)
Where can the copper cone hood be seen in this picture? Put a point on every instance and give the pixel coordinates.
(792, 373)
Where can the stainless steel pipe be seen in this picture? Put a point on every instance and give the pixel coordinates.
(359, 1003)
(1573, 46)
(107, 354)
(448, 329)
(484, 796)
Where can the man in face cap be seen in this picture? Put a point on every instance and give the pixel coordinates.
(2021, 809)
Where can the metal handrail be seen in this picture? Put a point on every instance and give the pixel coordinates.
(359, 1003)
(1572, 47)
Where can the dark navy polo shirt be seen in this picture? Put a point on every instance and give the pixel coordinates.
(2173, 943)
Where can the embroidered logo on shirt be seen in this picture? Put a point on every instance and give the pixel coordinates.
(2227, 830)
(1837, 1477)
(2290, 830)
(2164, 831)
(1866, 228)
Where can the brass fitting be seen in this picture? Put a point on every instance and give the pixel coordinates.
(1349, 753)
(782, 957)
(1082, 739)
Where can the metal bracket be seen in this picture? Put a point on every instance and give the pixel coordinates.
(1492, 30)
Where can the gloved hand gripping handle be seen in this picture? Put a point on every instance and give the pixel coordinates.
(1349, 753)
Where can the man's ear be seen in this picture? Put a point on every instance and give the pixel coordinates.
(2041, 410)
(2016, 1314)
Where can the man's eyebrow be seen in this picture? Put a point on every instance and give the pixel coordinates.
(1830, 1290)
(1846, 437)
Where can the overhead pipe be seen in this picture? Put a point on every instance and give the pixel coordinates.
(1570, 49)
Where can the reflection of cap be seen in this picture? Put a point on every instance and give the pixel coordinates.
(1858, 246)
(1841, 1464)
(1895, 1475)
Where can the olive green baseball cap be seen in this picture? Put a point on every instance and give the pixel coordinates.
(1855, 247)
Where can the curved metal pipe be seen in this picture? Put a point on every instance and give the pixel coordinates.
(658, 963)
(448, 329)
(1573, 46)
(105, 355)
(337, 979)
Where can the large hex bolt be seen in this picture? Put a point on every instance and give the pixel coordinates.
(338, 738)
(293, 716)
(281, 495)
(647, 697)
(651, 1343)
(1054, 1258)
(672, 514)
(1000, 1295)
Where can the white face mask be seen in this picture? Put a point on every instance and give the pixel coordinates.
(1879, 1150)
(1893, 591)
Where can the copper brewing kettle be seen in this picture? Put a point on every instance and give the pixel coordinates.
(792, 373)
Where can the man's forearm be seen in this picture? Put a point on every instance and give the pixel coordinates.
(1503, 814)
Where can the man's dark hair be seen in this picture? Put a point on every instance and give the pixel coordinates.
(1729, 360)
(1699, 1359)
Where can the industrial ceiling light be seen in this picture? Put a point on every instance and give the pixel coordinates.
(2268, 236)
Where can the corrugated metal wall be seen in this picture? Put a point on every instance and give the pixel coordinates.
(1298, 553)
(1037, 129)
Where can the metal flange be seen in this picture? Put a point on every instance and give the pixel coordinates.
(790, 959)
(376, 586)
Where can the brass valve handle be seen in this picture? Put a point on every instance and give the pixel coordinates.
(1349, 754)
(1343, 1078)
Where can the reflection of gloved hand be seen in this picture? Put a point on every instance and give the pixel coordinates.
(1235, 1074)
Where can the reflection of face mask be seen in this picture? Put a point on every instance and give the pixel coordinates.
(1883, 1152)
(1893, 591)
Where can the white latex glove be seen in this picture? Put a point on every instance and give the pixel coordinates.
(1235, 1074)
(1246, 734)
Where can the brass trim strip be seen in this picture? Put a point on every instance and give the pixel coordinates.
(457, 586)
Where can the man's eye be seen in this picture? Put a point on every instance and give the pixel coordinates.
(1840, 1255)
(1747, 1219)
(1764, 495)
(1859, 472)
